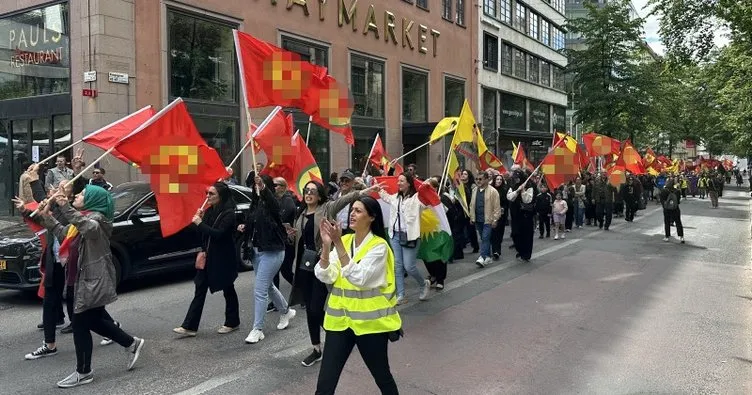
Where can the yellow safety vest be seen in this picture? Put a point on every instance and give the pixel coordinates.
(364, 310)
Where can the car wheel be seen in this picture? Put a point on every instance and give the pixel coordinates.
(118, 270)
(244, 256)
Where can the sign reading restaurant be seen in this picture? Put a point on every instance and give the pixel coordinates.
(32, 44)
(381, 26)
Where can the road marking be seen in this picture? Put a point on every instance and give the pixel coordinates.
(213, 383)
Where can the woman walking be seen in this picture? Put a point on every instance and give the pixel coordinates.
(306, 287)
(362, 307)
(268, 236)
(89, 233)
(217, 263)
(521, 198)
(497, 233)
(404, 231)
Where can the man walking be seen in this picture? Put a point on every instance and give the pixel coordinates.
(485, 211)
(670, 198)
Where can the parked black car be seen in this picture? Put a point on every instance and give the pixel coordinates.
(138, 247)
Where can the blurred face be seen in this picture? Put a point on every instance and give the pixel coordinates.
(311, 194)
(279, 187)
(212, 196)
(498, 181)
(346, 184)
(78, 202)
(544, 189)
(464, 176)
(483, 179)
(359, 218)
(558, 196)
(411, 169)
(578, 181)
(96, 174)
(60, 162)
(402, 184)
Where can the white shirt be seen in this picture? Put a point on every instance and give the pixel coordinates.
(527, 195)
(370, 272)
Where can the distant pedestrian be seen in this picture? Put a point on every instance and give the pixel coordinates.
(559, 215)
(97, 178)
(485, 212)
(543, 204)
(670, 198)
(522, 202)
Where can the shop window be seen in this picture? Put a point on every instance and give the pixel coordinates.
(414, 96)
(513, 112)
(35, 53)
(489, 111)
(490, 52)
(219, 134)
(61, 133)
(539, 116)
(506, 59)
(40, 139)
(367, 86)
(202, 58)
(454, 96)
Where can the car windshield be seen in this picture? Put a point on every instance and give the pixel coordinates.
(126, 195)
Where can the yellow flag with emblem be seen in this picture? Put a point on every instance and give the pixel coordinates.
(465, 132)
(446, 126)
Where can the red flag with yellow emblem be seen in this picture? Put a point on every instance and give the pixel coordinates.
(305, 169)
(560, 166)
(273, 76)
(381, 159)
(180, 165)
(600, 145)
(630, 159)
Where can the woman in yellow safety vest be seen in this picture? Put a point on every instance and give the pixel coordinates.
(362, 304)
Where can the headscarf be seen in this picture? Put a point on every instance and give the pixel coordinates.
(99, 200)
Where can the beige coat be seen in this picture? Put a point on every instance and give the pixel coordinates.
(492, 208)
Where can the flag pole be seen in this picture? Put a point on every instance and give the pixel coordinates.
(77, 176)
(308, 133)
(250, 137)
(541, 164)
(444, 172)
(368, 158)
(60, 152)
(410, 152)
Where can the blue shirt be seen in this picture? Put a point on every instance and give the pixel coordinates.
(480, 206)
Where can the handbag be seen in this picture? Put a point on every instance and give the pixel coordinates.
(402, 236)
(310, 256)
(201, 256)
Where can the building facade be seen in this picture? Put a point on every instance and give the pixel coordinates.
(407, 63)
(521, 87)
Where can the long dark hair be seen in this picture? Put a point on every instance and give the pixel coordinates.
(373, 208)
(320, 190)
(411, 182)
(226, 203)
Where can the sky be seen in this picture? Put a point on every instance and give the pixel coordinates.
(653, 38)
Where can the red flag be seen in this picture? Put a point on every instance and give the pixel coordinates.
(40, 232)
(272, 76)
(489, 161)
(521, 159)
(278, 131)
(305, 169)
(108, 136)
(426, 194)
(181, 166)
(560, 166)
(630, 159)
(600, 145)
(381, 159)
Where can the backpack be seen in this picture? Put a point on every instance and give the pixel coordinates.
(671, 202)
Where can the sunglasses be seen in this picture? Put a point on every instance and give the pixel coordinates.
(310, 191)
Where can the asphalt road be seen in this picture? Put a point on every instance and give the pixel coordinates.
(617, 312)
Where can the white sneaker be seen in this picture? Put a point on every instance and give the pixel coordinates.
(106, 341)
(487, 261)
(284, 319)
(426, 289)
(255, 336)
(564, 236)
(665, 239)
(557, 237)
(682, 240)
(401, 300)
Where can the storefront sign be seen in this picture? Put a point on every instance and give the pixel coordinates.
(536, 143)
(539, 116)
(376, 23)
(513, 112)
(32, 44)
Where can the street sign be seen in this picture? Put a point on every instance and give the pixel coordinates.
(118, 78)
(90, 76)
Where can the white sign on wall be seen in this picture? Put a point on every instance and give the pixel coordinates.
(118, 78)
(90, 76)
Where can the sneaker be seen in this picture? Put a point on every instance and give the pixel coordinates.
(59, 324)
(682, 240)
(224, 329)
(135, 349)
(284, 319)
(440, 286)
(270, 308)
(496, 256)
(426, 289)
(67, 329)
(480, 262)
(41, 352)
(564, 236)
(315, 356)
(487, 262)
(106, 341)
(185, 332)
(401, 300)
(556, 237)
(255, 336)
(76, 379)
(665, 239)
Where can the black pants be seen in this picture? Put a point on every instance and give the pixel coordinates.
(497, 236)
(630, 208)
(604, 211)
(437, 270)
(569, 219)
(52, 304)
(523, 239)
(232, 309)
(373, 349)
(286, 268)
(314, 296)
(544, 221)
(472, 235)
(673, 216)
(69, 301)
(98, 321)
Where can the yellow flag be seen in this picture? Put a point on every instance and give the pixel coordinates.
(446, 126)
(482, 147)
(515, 147)
(454, 165)
(569, 142)
(465, 126)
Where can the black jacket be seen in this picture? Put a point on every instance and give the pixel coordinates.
(543, 203)
(217, 233)
(265, 223)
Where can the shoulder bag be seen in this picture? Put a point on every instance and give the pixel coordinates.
(310, 256)
(201, 256)
(402, 236)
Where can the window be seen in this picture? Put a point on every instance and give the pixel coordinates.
(219, 133)
(318, 140)
(559, 118)
(545, 31)
(520, 19)
(461, 12)
(446, 9)
(520, 66)
(558, 39)
(545, 73)
(539, 116)
(534, 27)
(202, 59)
(35, 53)
(558, 78)
(506, 59)
(490, 52)
(513, 112)
(454, 96)
(534, 73)
(489, 7)
(505, 11)
(422, 4)
(40, 139)
(61, 131)
(367, 85)
(489, 111)
(414, 96)
(558, 5)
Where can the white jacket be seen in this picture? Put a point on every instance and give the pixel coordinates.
(411, 208)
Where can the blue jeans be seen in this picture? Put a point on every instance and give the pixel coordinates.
(405, 259)
(266, 264)
(579, 214)
(484, 230)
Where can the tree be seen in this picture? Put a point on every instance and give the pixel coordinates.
(615, 90)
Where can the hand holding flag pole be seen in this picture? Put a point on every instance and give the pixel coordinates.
(541, 164)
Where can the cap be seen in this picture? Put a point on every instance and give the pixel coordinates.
(347, 174)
